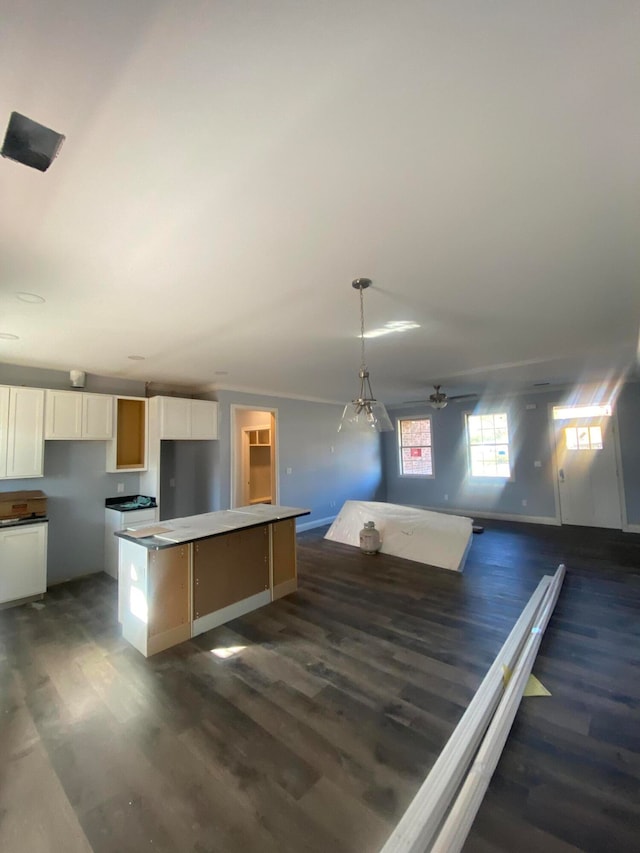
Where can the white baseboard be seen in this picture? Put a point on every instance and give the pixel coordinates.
(498, 516)
(631, 528)
(319, 522)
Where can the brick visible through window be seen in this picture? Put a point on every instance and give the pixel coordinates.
(414, 445)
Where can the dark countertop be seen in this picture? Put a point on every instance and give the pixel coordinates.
(130, 503)
(22, 522)
(178, 531)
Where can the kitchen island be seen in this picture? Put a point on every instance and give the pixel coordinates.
(181, 577)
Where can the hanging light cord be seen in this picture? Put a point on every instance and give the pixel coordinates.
(363, 365)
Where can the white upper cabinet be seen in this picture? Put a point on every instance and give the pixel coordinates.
(181, 418)
(97, 416)
(204, 419)
(74, 415)
(21, 432)
(175, 417)
(4, 427)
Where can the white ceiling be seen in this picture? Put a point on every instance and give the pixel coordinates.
(230, 167)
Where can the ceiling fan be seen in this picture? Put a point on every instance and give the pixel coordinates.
(438, 400)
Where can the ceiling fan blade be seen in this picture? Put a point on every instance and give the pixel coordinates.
(461, 397)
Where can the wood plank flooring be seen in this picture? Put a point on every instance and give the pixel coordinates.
(318, 727)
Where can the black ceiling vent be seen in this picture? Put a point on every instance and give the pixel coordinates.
(30, 143)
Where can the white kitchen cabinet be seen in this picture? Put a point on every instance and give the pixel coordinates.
(175, 417)
(182, 418)
(204, 419)
(4, 428)
(21, 432)
(116, 520)
(23, 562)
(75, 415)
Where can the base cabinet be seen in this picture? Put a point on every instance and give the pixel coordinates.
(222, 567)
(114, 520)
(283, 544)
(23, 562)
(228, 569)
(154, 596)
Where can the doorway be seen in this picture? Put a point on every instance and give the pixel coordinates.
(254, 452)
(587, 468)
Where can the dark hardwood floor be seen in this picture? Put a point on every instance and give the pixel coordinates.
(316, 730)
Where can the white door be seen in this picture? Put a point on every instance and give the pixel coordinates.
(588, 472)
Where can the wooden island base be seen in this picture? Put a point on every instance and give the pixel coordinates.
(192, 574)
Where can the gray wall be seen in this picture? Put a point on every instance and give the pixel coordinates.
(531, 442)
(191, 467)
(39, 377)
(320, 480)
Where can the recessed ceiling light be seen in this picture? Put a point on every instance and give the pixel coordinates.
(7, 336)
(23, 296)
(136, 357)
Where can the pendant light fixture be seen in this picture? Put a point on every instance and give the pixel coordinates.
(365, 413)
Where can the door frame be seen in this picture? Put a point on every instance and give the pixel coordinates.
(618, 457)
(236, 450)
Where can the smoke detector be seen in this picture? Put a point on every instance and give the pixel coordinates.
(77, 378)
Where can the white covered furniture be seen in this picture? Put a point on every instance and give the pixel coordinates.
(434, 538)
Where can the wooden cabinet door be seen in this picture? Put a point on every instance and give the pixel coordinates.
(4, 427)
(63, 416)
(204, 419)
(175, 418)
(229, 568)
(23, 562)
(97, 416)
(168, 589)
(25, 444)
(284, 550)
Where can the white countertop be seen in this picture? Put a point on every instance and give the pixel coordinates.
(191, 527)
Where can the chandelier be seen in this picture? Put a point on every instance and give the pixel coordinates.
(365, 412)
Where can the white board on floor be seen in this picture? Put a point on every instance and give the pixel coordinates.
(434, 538)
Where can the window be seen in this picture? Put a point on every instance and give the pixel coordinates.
(565, 413)
(583, 438)
(488, 443)
(416, 455)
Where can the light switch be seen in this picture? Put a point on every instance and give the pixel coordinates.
(289, 470)
(537, 464)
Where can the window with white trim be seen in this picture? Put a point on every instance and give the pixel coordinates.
(415, 448)
(488, 445)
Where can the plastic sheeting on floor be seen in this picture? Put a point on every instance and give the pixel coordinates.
(434, 538)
